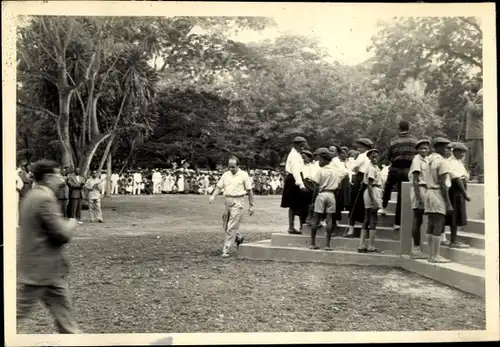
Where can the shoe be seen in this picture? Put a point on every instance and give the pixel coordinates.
(294, 232)
(80, 222)
(397, 227)
(238, 242)
(225, 255)
(439, 260)
(362, 250)
(382, 212)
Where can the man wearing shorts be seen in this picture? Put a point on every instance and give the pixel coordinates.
(327, 180)
(437, 201)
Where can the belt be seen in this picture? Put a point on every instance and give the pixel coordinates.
(423, 185)
(376, 185)
(235, 196)
(434, 188)
(329, 191)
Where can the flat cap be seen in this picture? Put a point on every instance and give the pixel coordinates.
(458, 146)
(440, 140)
(422, 141)
(344, 149)
(299, 139)
(324, 152)
(371, 151)
(366, 142)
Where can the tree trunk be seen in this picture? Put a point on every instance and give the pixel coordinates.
(89, 153)
(63, 127)
(109, 173)
(105, 154)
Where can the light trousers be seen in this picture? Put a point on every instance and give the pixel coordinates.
(136, 189)
(95, 209)
(114, 188)
(231, 220)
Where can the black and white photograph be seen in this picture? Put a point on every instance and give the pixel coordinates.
(204, 168)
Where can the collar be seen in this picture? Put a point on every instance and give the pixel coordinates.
(403, 133)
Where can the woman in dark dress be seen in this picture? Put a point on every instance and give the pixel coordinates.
(291, 198)
(458, 194)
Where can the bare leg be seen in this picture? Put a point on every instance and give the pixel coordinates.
(329, 231)
(314, 228)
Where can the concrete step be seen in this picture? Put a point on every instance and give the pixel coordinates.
(472, 239)
(266, 251)
(472, 257)
(383, 221)
(382, 232)
(462, 277)
(475, 226)
(337, 243)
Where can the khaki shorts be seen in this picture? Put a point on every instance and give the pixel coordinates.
(413, 197)
(325, 203)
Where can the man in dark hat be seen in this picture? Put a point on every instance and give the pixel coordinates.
(400, 155)
(437, 201)
(359, 166)
(294, 185)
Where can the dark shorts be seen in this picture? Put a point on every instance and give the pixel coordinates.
(435, 225)
(371, 217)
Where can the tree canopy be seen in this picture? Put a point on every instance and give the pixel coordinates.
(148, 91)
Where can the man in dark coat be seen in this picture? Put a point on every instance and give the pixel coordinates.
(41, 262)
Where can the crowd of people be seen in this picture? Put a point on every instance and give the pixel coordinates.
(322, 184)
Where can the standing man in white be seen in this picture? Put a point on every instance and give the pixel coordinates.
(157, 179)
(114, 183)
(137, 183)
(236, 184)
(103, 186)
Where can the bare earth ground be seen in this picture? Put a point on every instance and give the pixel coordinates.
(154, 267)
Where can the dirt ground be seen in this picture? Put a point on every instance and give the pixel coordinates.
(154, 266)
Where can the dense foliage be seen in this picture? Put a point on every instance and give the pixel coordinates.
(151, 91)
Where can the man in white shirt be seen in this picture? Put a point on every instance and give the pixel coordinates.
(114, 183)
(236, 184)
(294, 185)
(103, 186)
(343, 193)
(156, 178)
(137, 181)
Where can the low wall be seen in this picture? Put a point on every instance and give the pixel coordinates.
(475, 210)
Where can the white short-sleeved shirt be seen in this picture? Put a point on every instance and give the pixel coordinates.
(235, 185)
(418, 164)
(361, 163)
(327, 178)
(457, 169)
(436, 166)
(374, 173)
(295, 165)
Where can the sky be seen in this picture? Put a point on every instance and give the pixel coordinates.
(345, 37)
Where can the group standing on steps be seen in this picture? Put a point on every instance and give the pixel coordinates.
(330, 180)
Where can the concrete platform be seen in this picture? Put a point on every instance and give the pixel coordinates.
(266, 251)
(382, 232)
(462, 277)
(466, 278)
(337, 243)
(472, 257)
(383, 220)
(472, 239)
(475, 226)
